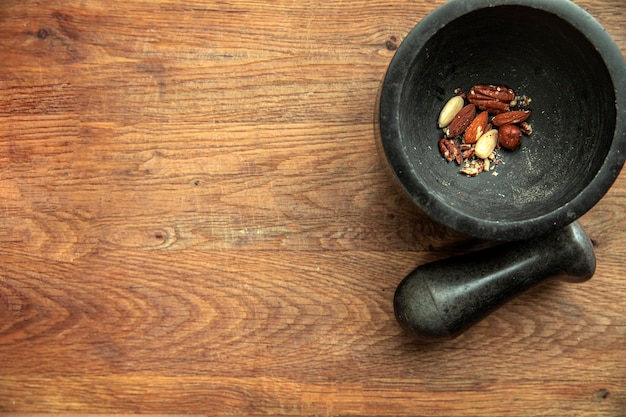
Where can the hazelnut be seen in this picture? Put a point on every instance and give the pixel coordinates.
(509, 136)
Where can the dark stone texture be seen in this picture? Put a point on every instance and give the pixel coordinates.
(443, 298)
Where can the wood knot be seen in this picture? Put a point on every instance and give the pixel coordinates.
(42, 34)
(392, 43)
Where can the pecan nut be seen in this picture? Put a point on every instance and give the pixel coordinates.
(450, 150)
(492, 98)
(492, 92)
(526, 128)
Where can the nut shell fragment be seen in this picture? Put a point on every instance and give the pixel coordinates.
(473, 167)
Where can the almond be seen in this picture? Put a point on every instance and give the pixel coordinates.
(510, 117)
(461, 121)
(449, 110)
(486, 144)
(476, 128)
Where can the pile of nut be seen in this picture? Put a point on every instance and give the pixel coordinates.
(493, 118)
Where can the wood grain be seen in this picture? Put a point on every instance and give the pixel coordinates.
(195, 219)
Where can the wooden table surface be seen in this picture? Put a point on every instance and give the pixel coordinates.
(196, 220)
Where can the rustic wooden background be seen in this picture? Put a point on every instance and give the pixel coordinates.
(195, 219)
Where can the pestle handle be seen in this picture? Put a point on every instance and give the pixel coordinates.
(444, 298)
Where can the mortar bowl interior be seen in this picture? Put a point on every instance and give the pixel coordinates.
(553, 52)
